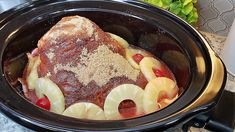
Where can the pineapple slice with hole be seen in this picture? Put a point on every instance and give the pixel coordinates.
(48, 88)
(152, 90)
(130, 52)
(147, 64)
(32, 77)
(119, 94)
(169, 101)
(166, 102)
(120, 40)
(31, 61)
(85, 110)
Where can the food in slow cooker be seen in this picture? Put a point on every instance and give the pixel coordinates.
(80, 71)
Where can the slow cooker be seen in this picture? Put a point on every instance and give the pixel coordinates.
(200, 73)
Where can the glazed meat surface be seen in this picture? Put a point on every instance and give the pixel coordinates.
(84, 61)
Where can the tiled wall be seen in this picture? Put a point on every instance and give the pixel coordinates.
(216, 16)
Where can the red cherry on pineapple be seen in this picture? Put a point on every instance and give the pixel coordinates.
(43, 103)
(137, 58)
(158, 73)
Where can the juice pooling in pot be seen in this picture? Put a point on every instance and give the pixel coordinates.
(80, 71)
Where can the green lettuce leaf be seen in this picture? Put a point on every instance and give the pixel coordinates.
(187, 8)
(193, 16)
(176, 7)
(183, 8)
(185, 2)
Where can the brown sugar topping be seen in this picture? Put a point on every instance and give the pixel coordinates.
(100, 66)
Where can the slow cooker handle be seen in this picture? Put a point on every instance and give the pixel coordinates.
(221, 118)
(208, 123)
(213, 125)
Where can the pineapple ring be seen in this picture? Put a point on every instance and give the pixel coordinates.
(46, 87)
(166, 102)
(120, 40)
(152, 90)
(85, 110)
(31, 79)
(147, 64)
(31, 61)
(119, 94)
(130, 52)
